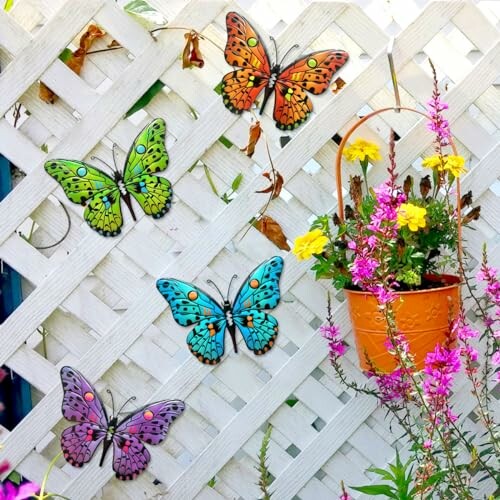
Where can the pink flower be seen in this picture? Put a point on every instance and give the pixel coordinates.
(495, 359)
(440, 366)
(393, 386)
(428, 444)
(4, 466)
(9, 491)
(336, 346)
(363, 268)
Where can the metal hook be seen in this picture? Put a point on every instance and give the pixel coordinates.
(394, 77)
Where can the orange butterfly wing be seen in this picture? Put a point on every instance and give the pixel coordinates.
(311, 73)
(244, 50)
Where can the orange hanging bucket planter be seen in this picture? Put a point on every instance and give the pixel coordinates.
(423, 316)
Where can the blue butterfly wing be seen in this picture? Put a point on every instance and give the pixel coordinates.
(259, 291)
(206, 340)
(190, 306)
(258, 328)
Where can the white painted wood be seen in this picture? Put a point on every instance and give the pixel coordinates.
(96, 297)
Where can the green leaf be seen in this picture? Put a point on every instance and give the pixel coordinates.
(237, 181)
(376, 489)
(382, 473)
(15, 478)
(146, 15)
(218, 88)
(146, 98)
(8, 5)
(226, 141)
(210, 180)
(211, 483)
(44, 148)
(65, 55)
(291, 402)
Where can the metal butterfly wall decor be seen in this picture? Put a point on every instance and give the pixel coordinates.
(82, 404)
(83, 183)
(192, 306)
(240, 88)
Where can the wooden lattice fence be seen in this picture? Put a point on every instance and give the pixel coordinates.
(95, 297)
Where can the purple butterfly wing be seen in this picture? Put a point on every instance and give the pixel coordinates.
(149, 424)
(81, 402)
(80, 441)
(130, 456)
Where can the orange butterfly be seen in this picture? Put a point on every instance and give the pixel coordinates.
(241, 87)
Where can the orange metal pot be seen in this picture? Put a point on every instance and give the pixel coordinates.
(423, 316)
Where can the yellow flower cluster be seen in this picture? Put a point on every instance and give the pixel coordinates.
(309, 244)
(412, 216)
(362, 150)
(450, 163)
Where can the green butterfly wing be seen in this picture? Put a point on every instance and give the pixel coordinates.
(82, 183)
(79, 180)
(148, 153)
(153, 193)
(146, 156)
(103, 213)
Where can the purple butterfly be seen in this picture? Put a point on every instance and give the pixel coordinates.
(82, 404)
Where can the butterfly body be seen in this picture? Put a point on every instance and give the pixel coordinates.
(192, 306)
(241, 87)
(81, 404)
(101, 193)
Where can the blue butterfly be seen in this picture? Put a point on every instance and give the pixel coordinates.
(192, 306)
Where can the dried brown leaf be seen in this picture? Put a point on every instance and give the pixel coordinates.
(272, 231)
(472, 215)
(425, 186)
(466, 199)
(355, 190)
(253, 137)
(337, 85)
(191, 55)
(275, 186)
(75, 62)
(407, 185)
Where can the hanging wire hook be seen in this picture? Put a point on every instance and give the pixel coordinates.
(64, 236)
(394, 77)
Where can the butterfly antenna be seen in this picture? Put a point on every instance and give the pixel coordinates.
(112, 401)
(275, 47)
(114, 156)
(212, 284)
(94, 158)
(235, 276)
(132, 398)
(296, 46)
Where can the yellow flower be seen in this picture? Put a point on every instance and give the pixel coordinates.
(309, 244)
(411, 216)
(451, 163)
(455, 165)
(434, 162)
(362, 150)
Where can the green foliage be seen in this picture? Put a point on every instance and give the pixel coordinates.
(44, 148)
(227, 197)
(15, 478)
(218, 88)
(400, 482)
(146, 98)
(264, 474)
(211, 483)
(224, 140)
(65, 55)
(146, 15)
(8, 5)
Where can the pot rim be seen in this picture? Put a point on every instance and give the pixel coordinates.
(455, 282)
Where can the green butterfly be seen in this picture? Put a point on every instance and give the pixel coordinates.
(83, 183)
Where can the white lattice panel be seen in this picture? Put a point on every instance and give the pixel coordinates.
(96, 297)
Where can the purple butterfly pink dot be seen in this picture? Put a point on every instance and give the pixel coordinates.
(89, 396)
(148, 415)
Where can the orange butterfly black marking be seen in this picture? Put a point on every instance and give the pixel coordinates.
(240, 88)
